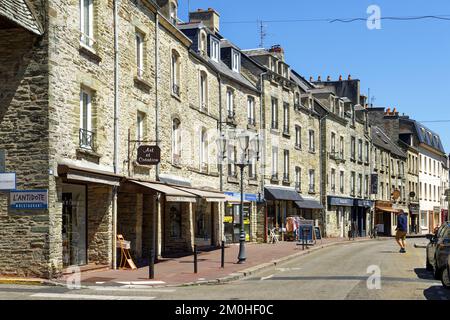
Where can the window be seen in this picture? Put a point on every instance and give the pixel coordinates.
(236, 61)
(341, 146)
(274, 113)
(176, 141)
(298, 179)
(423, 218)
(360, 156)
(274, 163)
(312, 147)
(341, 181)
(215, 49)
(366, 185)
(359, 185)
(333, 180)
(312, 186)
(353, 148)
(286, 118)
(87, 22)
(202, 42)
(140, 126)
(333, 143)
(86, 134)
(382, 190)
(232, 157)
(286, 166)
(341, 109)
(230, 103)
(251, 111)
(203, 91)
(252, 169)
(298, 137)
(352, 183)
(173, 13)
(203, 151)
(297, 100)
(175, 73)
(175, 220)
(139, 54)
(367, 152)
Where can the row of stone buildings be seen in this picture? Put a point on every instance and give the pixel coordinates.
(87, 85)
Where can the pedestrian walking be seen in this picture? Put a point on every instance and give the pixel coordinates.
(401, 229)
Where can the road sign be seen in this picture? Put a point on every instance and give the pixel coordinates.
(7, 181)
(28, 199)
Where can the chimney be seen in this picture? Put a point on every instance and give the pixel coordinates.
(319, 78)
(394, 112)
(210, 18)
(278, 51)
(340, 77)
(328, 78)
(388, 111)
(349, 77)
(311, 79)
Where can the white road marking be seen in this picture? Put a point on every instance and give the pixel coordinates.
(88, 296)
(141, 282)
(287, 269)
(100, 282)
(268, 277)
(128, 287)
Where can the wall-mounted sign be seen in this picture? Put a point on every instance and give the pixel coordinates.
(7, 181)
(148, 155)
(29, 199)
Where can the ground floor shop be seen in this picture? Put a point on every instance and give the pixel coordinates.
(414, 218)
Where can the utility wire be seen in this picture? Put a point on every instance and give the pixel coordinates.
(345, 20)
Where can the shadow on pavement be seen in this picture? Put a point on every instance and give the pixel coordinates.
(422, 273)
(436, 293)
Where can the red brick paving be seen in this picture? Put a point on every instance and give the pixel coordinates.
(181, 270)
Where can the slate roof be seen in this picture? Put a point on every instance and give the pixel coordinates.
(18, 12)
(300, 81)
(423, 134)
(380, 139)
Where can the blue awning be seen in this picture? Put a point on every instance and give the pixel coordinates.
(308, 204)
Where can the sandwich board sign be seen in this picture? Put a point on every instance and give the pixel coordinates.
(28, 199)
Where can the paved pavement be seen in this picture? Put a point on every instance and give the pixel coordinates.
(179, 271)
(337, 272)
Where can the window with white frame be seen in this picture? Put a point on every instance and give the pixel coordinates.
(203, 91)
(139, 54)
(203, 151)
(312, 180)
(341, 181)
(176, 141)
(274, 113)
(235, 61)
(312, 146)
(353, 148)
(341, 146)
(202, 42)
(352, 183)
(360, 184)
(286, 166)
(298, 179)
(275, 163)
(86, 134)
(140, 126)
(230, 103)
(232, 158)
(175, 73)
(298, 136)
(333, 180)
(286, 118)
(360, 152)
(251, 110)
(173, 13)
(333, 143)
(252, 169)
(214, 49)
(87, 22)
(366, 185)
(367, 152)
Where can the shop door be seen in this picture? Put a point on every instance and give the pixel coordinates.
(203, 225)
(74, 227)
(341, 221)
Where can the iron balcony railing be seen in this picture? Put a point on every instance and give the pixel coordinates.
(86, 139)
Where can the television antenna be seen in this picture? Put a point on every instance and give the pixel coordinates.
(262, 33)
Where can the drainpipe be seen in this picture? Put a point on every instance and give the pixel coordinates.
(262, 146)
(157, 87)
(323, 173)
(116, 130)
(219, 79)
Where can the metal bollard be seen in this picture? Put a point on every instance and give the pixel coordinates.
(195, 259)
(151, 265)
(222, 261)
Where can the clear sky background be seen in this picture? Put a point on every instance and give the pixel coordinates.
(406, 64)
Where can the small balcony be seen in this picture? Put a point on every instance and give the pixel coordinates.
(285, 129)
(286, 178)
(87, 139)
(274, 177)
(336, 156)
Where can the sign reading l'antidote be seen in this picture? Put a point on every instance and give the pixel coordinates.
(28, 199)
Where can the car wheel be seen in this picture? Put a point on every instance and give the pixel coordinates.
(445, 279)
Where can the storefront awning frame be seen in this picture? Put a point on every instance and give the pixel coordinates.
(74, 173)
(171, 194)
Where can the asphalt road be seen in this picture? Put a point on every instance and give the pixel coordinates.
(340, 272)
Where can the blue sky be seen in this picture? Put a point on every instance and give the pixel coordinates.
(406, 64)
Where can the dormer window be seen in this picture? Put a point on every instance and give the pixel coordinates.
(173, 13)
(202, 42)
(214, 49)
(273, 66)
(235, 61)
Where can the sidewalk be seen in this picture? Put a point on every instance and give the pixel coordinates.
(180, 271)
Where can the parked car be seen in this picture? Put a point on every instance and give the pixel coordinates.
(446, 275)
(438, 250)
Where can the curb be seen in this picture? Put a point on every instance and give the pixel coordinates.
(229, 278)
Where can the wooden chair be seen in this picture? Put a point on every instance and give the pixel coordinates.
(125, 256)
(273, 236)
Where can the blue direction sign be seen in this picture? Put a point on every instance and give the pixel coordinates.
(28, 199)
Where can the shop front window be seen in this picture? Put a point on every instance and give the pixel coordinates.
(175, 220)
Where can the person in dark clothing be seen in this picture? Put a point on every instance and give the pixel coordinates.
(402, 227)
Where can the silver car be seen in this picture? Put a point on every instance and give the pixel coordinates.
(438, 251)
(446, 275)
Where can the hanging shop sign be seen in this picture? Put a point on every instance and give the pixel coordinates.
(29, 199)
(7, 181)
(148, 155)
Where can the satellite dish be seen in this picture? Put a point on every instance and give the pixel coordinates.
(412, 194)
(162, 3)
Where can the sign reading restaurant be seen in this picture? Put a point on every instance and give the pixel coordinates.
(29, 199)
(148, 155)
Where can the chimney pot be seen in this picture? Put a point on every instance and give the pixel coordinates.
(328, 78)
(319, 78)
(340, 77)
(310, 79)
(349, 77)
